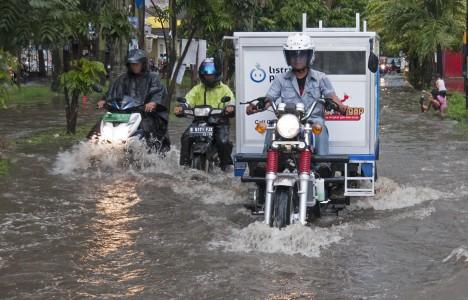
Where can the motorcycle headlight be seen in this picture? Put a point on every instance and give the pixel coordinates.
(201, 112)
(288, 126)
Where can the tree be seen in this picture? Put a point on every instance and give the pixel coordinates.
(419, 28)
(205, 16)
(80, 80)
(7, 64)
(116, 30)
(162, 16)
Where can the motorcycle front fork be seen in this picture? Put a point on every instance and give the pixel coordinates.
(303, 187)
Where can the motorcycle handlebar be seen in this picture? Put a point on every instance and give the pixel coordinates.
(136, 109)
(191, 110)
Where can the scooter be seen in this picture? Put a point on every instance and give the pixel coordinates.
(122, 121)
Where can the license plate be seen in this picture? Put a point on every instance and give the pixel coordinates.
(116, 118)
(201, 131)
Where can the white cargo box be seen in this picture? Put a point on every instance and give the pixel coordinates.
(343, 55)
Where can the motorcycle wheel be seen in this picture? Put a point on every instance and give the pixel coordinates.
(199, 162)
(282, 208)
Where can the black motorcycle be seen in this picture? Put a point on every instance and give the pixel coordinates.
(203, 151)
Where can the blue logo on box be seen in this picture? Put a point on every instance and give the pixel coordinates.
(257, 74)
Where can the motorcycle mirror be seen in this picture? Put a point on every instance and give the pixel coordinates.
(97, 88)
(181, 100)
(373, 62)
(225, 99)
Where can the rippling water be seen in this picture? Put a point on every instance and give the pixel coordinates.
(91, 222)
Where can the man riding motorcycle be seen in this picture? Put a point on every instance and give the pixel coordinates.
(302, 84)
(146, 88)
(209, 91)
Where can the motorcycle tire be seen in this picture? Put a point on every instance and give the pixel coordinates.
(199, 162)
(282, 208)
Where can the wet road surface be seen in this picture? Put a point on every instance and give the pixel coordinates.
(77, 223)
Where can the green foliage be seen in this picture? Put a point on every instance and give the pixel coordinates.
(31, 95)
(114, 24)
(286, 15)
(4, 167)
(7, 64)
(418, 27)
(43, 22)
(457, 107)
(82, 76)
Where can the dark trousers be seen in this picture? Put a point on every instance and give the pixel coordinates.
(222, 144)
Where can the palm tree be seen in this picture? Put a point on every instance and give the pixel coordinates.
(419, 28)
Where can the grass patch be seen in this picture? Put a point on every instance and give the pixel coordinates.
(31, 95)
(40, 94)
(56, 136)
(4, 167)
(457, 110)
(457, 107)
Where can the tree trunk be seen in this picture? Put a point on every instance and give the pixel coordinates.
(141, 25)
(19, 68)
(173, 25)
(56, 69)
(71, 110)
(76, 49)
(66, 59)
(428, 71)
(415, 72)
(179, 63)
(42, 70)
(440, 63)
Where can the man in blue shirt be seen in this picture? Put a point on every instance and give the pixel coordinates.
(303, 85)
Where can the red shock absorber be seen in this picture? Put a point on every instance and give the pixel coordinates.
(304, 161)
(272, 161)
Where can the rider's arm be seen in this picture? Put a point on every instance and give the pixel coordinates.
(274, 92)
(193, 95)
(326, 89)
(157, 92)
(111, 94)
(230, 94)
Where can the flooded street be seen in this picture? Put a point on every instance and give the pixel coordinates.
(77, 223)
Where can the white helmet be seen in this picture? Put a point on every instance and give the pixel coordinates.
(299, 44)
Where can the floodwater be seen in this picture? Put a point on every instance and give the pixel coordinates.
(80, 222)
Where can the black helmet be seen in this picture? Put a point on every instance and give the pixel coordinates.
(136, 56)
(209, 67)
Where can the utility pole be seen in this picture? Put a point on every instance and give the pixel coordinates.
(465, 56)
(140, 5)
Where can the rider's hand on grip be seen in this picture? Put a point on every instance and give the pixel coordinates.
(251, 109)
(178, 110)
(101, 104)
(343, 109)
(229, 110)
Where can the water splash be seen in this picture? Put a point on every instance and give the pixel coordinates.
(459, 254)
(294, 239)
(390, 195)
(106, 157)
(87, 158)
